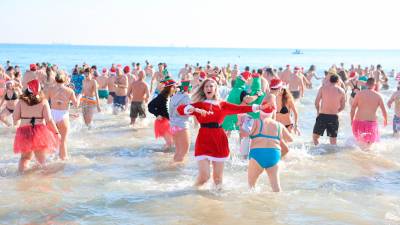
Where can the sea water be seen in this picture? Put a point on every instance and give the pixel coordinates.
(117, 175)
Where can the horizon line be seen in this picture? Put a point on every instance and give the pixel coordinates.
(195, 47)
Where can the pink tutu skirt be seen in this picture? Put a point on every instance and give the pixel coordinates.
(366, 131)
(162, 128)
(37, 138)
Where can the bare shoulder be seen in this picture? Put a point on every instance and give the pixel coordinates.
(340, 90)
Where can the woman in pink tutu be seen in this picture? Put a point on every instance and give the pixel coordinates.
(37, 134)
(158, 107)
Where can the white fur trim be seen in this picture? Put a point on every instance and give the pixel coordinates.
(210, 158)
(255, 107)
(212, 101)
(187, 108)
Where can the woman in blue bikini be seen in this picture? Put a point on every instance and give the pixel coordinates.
(267, 136)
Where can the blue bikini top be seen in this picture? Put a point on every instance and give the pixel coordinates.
(260, 135)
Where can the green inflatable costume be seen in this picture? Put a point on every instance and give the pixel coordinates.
(230, 122)
(256, 87)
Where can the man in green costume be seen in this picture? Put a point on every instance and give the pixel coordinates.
(256, 91)
(236, 96)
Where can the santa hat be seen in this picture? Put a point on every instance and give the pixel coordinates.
(104, 70)
(203, 75)
(34, 87)
(113, 70)
(168, 81)
(276, 84)
(33, 67)
(127, 69)
(246, 75)
(185, 86)
(352, 74)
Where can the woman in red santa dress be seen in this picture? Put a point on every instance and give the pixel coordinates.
(212, 142)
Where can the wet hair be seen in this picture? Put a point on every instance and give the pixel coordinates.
(199, 95)
(137, 64)
(343, 75)
(326, 73)
(94, 67)
(10, 68)
(167, 91)
(370, 81)
(31, 99)
(312, 68)
(378, 66)
(75, 71)
(280, 69)
(48, 73)
(260, 71)
(17, 74)
(60, 77)
(334, 79)
(87, 70)
(247, 68)
(286, 97)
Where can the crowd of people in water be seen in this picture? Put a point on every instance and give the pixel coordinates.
(260, 103)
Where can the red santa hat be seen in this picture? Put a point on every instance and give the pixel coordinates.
(203, 75)
(33, 67)
(352, 74)
(113, 70)
(246, 75)
(104, 70)
(34, 86)
(276, 84)
(127, 69)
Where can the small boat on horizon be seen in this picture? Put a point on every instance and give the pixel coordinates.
(297, 52)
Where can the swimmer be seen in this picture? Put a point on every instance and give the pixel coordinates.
(60, 97)
(90, 97)
(330, 101)
(363, 115)
(138, 94)
(395, 98)
(267, 137)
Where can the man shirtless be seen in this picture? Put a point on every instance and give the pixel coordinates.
(111, 84)
(121, 90)
(149, 69)
(378, 75)
(157, 78)
(285, 75)
(234, 74)
(90, 97)
(396, 119)
(363, 115)
(138, 94)
(296, 84)
(183, 72)
(329, 102)
(102, 80)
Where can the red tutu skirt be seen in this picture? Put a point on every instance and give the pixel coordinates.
(162, 127)
(37, 138)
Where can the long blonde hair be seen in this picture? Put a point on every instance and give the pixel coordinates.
(199, 95)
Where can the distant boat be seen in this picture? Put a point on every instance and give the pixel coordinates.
(297, 52)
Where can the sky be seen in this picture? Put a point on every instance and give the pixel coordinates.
(295, 24)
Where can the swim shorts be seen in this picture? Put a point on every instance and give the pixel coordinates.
(327, 122)
(137, 109)
(396, 124)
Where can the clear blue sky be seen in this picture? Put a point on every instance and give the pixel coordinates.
(204, 23)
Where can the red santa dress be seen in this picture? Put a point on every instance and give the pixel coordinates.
(211, 141)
